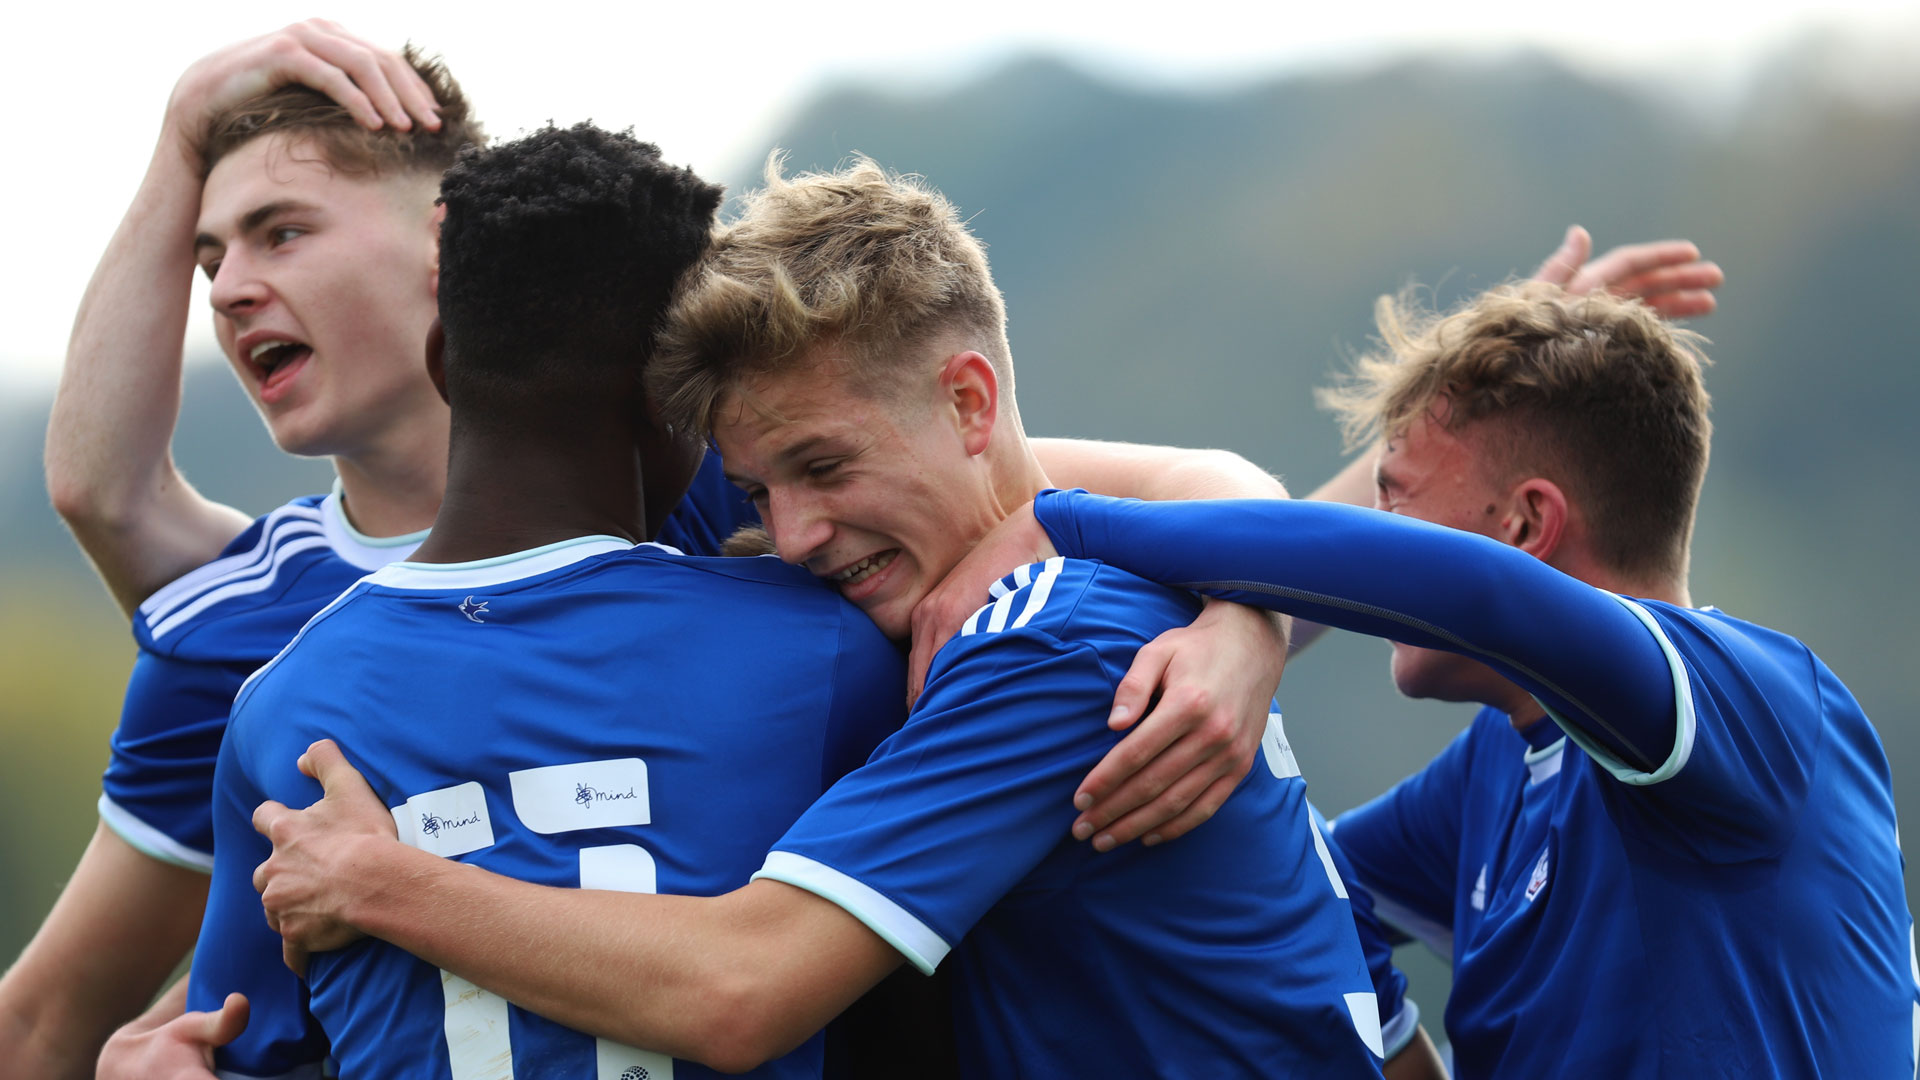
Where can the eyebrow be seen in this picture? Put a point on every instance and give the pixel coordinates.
(797, 450)
(254, 219)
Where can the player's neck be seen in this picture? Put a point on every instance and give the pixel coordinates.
(507, 494)
(394, 488)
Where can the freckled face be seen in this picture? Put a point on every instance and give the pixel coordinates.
(881, 498)
(322, 292)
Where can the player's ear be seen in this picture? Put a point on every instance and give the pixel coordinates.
(439, 218)
(1536, 519)
(437, 357)
(970, 387)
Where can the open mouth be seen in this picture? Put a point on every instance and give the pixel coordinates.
(275, 362)
(865, 568)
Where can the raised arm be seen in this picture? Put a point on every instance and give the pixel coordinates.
(110, 469)
(1587, 655)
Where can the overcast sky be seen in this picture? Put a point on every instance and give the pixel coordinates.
(86, 90)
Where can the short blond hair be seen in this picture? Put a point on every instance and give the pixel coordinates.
(1595, 392)
(870, 262)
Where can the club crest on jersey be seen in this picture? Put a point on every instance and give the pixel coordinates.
(473, 611)
(1539, 879)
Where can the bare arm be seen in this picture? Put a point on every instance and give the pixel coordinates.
(120, 927)
(1154, 473)
(729, 981)
(1418, 1060)
(110, 469)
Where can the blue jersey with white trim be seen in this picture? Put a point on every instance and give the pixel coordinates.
(202, 635)
(1230, 953)
(1707, 884)
(590, 714)
(1399, 1014)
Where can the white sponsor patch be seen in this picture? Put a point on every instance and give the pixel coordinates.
(618, 868)
(448, 822)
(1274, 746)
(584, 795)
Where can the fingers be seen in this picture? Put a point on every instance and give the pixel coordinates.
(1652, 284)
(1134, 696)
(1117, 777)
(221, 1028)
(1629, 260)
(1155, 797)
(294, 957)
(324, 762)
(267, 815)
(929, 634)
(1683, 305)
(365, 64)
(1566, 260)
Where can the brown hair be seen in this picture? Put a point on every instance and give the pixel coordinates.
(1595, 392)
(870, 261)
(300, 111)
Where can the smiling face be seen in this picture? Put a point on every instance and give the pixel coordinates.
(879, 497)
(322, 293)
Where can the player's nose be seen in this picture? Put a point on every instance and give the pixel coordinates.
(237, 286)
(798, 525)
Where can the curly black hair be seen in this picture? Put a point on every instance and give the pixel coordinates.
(559, 255)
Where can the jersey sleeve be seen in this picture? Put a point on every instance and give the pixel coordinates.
(711, 510)
(869, 695)
(238, 951)
(1752, 709)
(1403, 848)
(1399, 1015)
(158, 786)
(1587, 655)
(958, 806)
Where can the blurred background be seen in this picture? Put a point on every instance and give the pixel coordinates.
(1190, 218)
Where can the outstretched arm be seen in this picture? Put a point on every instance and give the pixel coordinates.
(1583, 653)
(110, 471)
(730, 981)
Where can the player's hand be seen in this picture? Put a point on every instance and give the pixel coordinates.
(938, 616)
(178, 1049)
(306, 886)
(1205, 691)
(1668, 275)
(376, 85)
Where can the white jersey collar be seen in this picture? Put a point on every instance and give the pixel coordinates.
(356, 547)
(498, 570)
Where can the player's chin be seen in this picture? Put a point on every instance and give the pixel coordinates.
(1415, 671)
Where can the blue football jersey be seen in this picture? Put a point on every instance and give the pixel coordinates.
(1706, 883)
(1229, 953)
(590, 714)
(1399, 1014)
(201, 636)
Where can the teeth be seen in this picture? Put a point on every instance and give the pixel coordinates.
(267, 346)
(865, 568)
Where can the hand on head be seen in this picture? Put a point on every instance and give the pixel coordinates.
(376, 85)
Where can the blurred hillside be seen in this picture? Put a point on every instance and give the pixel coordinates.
(1186, 269)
